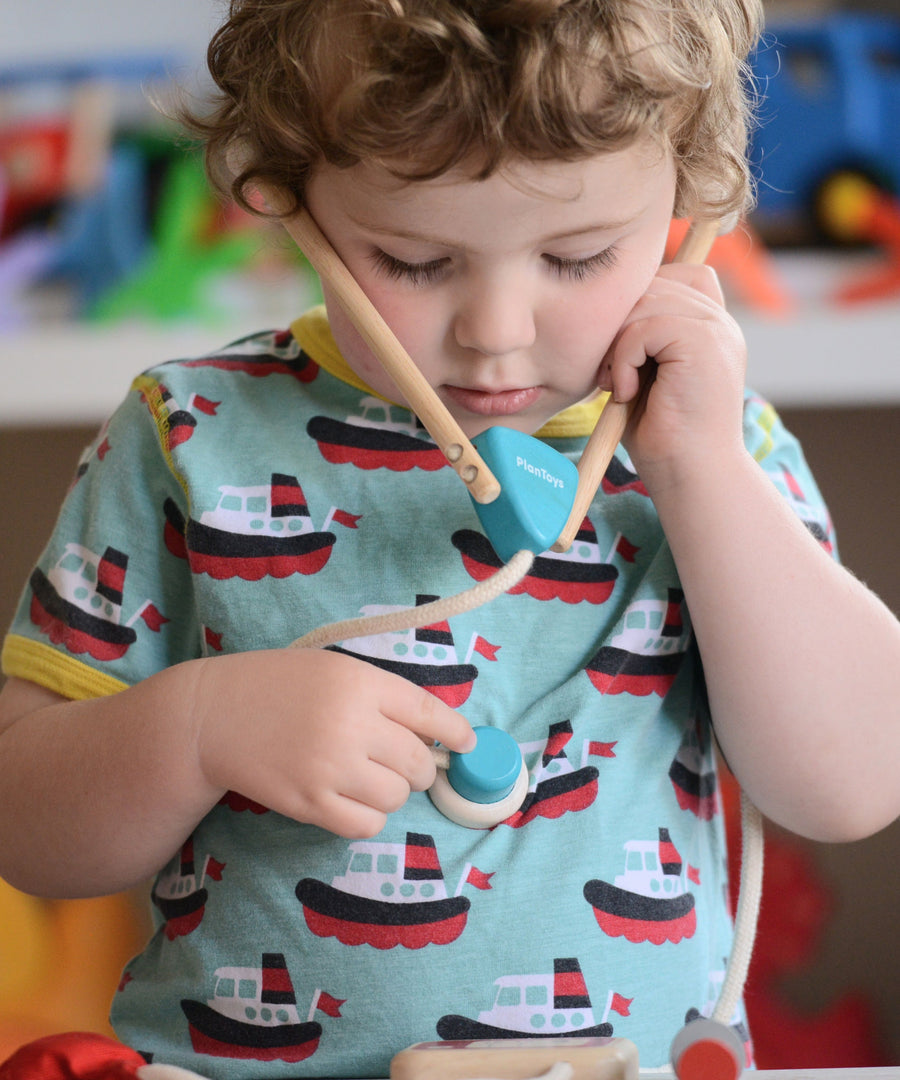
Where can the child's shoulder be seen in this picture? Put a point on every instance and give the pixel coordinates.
(260, 354)
(252, 373)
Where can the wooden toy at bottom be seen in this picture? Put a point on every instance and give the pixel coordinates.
(518, 1059)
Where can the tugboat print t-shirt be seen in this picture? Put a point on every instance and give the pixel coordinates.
(239, 500)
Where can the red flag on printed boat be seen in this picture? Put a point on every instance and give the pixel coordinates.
(204, 405)
(479, 879)
(343, 517)
(327, 1004)
(153, 617)
(626, 549)
(214, 868)
(484, 648)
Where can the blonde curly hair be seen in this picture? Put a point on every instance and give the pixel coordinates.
(425, 86)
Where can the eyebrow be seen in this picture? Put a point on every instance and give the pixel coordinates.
(439, 241)
(600, 226)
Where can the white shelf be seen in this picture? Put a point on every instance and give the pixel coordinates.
(78, 374)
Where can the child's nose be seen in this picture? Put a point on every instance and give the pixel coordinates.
(495, 320)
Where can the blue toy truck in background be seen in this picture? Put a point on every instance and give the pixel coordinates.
(830, 90)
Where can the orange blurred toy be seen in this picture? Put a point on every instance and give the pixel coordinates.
(746, 267)
(853, 209)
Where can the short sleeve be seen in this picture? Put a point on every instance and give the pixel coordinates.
(781, 457)
(108, 604)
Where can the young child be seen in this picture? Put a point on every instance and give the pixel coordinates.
(500, 178)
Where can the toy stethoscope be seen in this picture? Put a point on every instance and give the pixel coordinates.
(523, 515)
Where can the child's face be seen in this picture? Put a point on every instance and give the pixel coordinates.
(505, 292)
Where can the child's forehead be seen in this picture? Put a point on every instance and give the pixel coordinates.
(604, 192)
(617, 173)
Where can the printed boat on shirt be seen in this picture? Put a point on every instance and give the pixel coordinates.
(579, 574)
(78, 603)
(180, 422)
(180, 894)
(284, 358)
(390, 894)
(556, 787)
(263, 530)
(650, 901)
(621, 477)
(425, 656)
(382, 436)
(694, 779)
(538, 1006)
(644, 657)
(253, 1015)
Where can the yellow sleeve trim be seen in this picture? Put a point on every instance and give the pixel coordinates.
(313, 334)
(766, 422)
(23, 658)
(155, 398)
(156, 403)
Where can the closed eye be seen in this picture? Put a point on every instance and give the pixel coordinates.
(581, 269)
(423, 273)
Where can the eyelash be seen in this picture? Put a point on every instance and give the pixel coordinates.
(426, 273)
(415, 273)
(582, 269)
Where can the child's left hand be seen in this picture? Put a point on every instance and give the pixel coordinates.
(692, 412)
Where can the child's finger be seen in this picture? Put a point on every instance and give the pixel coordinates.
(378, 786)
(350, 818)
(407, 755)
(702, 279)
(620, 370)
(428, 717)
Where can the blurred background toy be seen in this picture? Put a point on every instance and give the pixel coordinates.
(60, 962)
(830, 90)
(857, 211)
(106, 207)
(746, 266)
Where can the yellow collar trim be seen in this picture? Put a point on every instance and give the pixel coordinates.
(313, 334)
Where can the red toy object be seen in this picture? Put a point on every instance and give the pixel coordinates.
(34, 161)
(80, 1055)
(707, 1050)
(854, 210)
(795, 910)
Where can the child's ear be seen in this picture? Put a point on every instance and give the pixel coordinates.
(236, 158)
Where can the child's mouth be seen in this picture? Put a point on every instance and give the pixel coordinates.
(493, 403)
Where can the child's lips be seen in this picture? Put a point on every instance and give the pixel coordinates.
(494, 402)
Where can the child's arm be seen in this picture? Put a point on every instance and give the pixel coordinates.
(802, 661)
(97, 795)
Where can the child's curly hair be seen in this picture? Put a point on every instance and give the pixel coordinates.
(423, 86)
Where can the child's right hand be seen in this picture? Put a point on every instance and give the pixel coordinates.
(318, 736)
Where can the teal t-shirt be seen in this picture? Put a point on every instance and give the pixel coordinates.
(238, 501)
